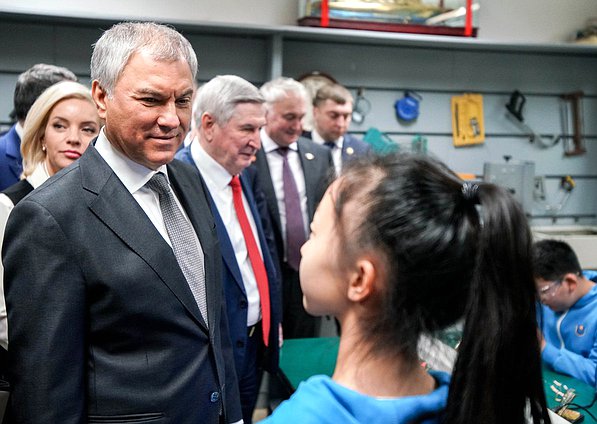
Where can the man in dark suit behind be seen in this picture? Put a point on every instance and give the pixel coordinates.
(106, 326)
(229, 113)
(311, 167)
(30, 84)
(332, 113)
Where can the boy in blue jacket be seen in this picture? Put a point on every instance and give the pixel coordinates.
(568, 329)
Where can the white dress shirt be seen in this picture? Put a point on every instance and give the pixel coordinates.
(274, 161)
(336, 150)
(217, 179)
(134, 177)
(19, 130)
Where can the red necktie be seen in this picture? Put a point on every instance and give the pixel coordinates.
(254, 256)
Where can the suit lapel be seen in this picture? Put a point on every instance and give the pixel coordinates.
(309, 162)
(265, 181)
(256, 217)
(194, 200)
(228, 254)
(13, 153)
(130, 223)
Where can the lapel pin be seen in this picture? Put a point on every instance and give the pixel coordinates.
(349, 150)
(309, 156)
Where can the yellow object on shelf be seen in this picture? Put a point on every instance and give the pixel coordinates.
(466, 176)
(468, 127)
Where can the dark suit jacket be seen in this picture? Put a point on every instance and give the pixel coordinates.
(359, 147)
(11, 162)
(236, 297)
(352, 147)
(103, 324)
(318, 169)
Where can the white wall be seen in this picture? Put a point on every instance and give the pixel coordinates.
(264, 12)
(540, 21)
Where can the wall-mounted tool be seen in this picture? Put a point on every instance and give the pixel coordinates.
(575, 100)
(407, 108)
(361, 107)
(564, 190)
(467, 119)
(518, 177)
(514, 107)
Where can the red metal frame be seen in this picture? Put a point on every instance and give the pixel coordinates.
(325, 22)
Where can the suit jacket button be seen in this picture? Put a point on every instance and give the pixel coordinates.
(243, 304)
(240, 343)
(214, 397)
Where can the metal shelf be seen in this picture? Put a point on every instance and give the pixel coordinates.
(331, 35)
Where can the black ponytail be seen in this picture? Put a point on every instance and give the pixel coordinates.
(452, 250)
(498, 371)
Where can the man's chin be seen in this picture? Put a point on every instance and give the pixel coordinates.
(160, 158)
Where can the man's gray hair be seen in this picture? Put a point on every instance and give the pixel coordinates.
(277, 89)
(115, 47)
(220, 95)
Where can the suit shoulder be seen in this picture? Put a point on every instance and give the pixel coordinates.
(184, 154)
(356, 143)
(9, 137)
(59, 187)
(184, 168)
(310, 145)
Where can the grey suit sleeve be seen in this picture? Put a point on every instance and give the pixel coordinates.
(46, 302)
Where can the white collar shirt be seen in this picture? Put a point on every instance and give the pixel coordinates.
(134, 177)
(275, 161)
(217, 179)
(336, 149)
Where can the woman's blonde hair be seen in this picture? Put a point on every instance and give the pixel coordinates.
(37, 119)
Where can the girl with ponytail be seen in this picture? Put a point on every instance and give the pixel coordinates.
(401, 248)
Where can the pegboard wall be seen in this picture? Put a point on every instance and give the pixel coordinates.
(382, 71)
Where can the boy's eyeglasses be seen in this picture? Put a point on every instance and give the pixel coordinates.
(549, 290)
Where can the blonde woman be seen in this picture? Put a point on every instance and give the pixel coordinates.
(59, 127)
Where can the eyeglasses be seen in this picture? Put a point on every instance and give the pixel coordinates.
(549, 290)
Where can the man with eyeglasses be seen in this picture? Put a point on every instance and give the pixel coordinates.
(568, 325)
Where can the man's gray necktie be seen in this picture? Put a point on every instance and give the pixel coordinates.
(295, 227)
(186, 247)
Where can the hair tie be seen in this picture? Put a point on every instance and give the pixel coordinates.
(470, 192)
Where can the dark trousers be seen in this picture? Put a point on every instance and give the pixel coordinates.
(296, 322)
(3, 364)
(4, 387)
(249, 378)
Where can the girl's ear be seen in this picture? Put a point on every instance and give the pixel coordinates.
(362, 280)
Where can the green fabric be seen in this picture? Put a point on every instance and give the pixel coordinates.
(303, 358)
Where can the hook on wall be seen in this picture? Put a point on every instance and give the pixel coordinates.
(362, 106)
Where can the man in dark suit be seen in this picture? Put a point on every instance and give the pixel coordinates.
(111, 319)
(30, 84)
(311, 168)
(229, 113)
(332, 113)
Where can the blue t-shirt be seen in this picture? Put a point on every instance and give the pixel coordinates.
(571, 337)
(320, 400)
